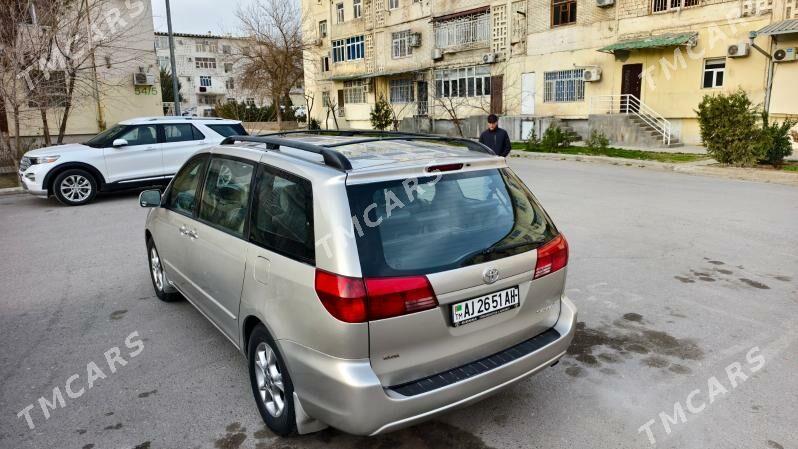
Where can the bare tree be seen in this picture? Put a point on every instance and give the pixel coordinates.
(273, 60)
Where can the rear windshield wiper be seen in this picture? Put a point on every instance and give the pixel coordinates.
(501, 248)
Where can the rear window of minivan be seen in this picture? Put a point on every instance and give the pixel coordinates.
(443, 222)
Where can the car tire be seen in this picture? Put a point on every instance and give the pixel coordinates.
(267, 373)
(75, 187)
(159, 281)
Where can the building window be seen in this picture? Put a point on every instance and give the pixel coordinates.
(50, 90)
(563, 86)
(339, 12)
(205, 63)
(322, 29)
(354, 92)
(227, 50)
(209, 100)
(563, 12)
(231, 100)
(161, 42)
(400, 44)
(325, 63)
(230, 84)
(205, 81)
(228, 67)
(357, 8)
(393, 4)
(401, 91)
(471, 29)
(163, 62)
(665, 5)
(325, 99)
(713, 72)
(249, 102)
(462, 82)
(349, 49)
(207, 46)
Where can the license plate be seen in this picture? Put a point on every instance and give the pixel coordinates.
(474, 309)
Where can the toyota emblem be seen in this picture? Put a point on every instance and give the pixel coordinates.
(490, 275)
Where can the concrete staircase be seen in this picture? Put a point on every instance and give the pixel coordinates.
(656, 136)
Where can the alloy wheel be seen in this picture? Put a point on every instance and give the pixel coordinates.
(75, 188)
(269, 380)
(157, 270)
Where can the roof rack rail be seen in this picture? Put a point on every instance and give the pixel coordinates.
(472, 145)
(332, 158)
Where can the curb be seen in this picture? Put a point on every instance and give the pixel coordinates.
(704, 167)
(11, 191)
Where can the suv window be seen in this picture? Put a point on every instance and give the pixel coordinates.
(183, 193)
(140, 135)
(180, 132)
(462, 219)
(282, 217)
(229, 130)
(225, 197)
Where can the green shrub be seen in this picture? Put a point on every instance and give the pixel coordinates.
(728, 128)
(774, 141)
(553, 139)
(314, 124)
(532, 141)
(381, 115)
(597, 140)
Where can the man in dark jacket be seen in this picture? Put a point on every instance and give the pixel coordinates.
(495, 138)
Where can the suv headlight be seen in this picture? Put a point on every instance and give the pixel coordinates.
(44, 159)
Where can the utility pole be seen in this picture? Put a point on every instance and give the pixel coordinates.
(175, 88)
(95, 82)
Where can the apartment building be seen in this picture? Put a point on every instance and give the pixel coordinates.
(634, 69)
(208, 67)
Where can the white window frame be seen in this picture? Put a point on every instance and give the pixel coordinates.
(339, 50)
(466, 82)
(339, 12)
(322, 29)
(715, 71)
(164, 62)
(229, 84)
(352, 48)
(354, 92)
(402, 91)
(357, 8)
(204, 63)
(659, 6)
(473, 29)
(205, 81)
(563, 86)
(393, 4)
(228, 67)
(400, 44)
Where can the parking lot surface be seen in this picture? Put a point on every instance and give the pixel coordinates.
(686, 288)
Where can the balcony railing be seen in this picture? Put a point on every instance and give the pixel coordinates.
(463, 31)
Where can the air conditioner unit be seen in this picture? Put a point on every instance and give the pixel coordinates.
(143, 79)
(591, 74)
(604, 3)
(738, 50)
(203, 89)
(785, 54)
(489, 58)
(415, 40)
(437, 53)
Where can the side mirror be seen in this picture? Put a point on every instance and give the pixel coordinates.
(120, 143)
(150, 198)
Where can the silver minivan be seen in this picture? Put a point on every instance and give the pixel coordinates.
(372, 280)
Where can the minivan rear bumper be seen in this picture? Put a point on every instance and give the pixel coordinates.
(347, 395)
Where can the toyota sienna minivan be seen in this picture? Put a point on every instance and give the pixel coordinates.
(372, 280)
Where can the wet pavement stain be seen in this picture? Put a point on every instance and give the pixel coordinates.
(706, 278)
(109, 414)
(88, 446)
(626, 339)
(774, 445)
(754, 284)
(144, 445)
(427, 435)
(782, 278)
(684, 280)
(263, 433)
(147, 393)
(234, 438)
(117, 315)
(636, 317)
(724, 271)
(575, 371)
(716, 262)
(116, 426)
(80, 431)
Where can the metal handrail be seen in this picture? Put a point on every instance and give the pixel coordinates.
(629, 104)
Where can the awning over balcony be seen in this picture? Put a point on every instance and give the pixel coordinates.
(661, 41)
(457, 15)
(377, 74)
(780, 28)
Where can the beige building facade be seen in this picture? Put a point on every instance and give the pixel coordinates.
(634, 69)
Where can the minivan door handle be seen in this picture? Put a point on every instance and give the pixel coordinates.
(192, 234)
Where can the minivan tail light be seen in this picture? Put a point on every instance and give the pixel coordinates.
(552, 256)
(354, 300)
(344, 297)
(395, 296)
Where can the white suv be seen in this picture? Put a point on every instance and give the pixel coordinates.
(134, 153)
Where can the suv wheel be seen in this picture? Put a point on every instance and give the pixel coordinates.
(75, 187)
(157, 275)
(271, 384)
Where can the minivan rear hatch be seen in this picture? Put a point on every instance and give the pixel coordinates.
(460, 250)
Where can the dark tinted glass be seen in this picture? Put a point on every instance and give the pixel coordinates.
(229, 130)
(180, 132)
(462, 219)
(140, 135)
(105, 138)
(183, 191)
(225, 197)
(282, 215)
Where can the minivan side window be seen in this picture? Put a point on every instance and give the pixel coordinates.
(282, 214)
(183, 193)
(225, 198)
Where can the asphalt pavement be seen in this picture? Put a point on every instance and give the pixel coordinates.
(686, 288)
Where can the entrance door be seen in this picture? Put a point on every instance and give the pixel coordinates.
(631, 82)
(421, 88)
(528, 93)
(496, 94)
